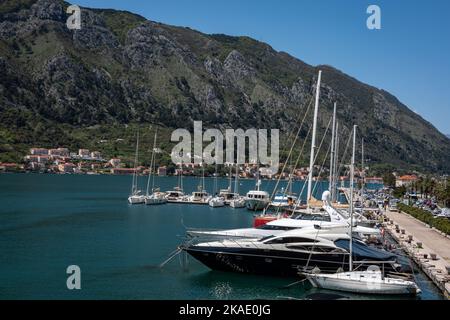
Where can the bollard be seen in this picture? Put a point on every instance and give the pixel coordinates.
(433, 256)
(419, 245)
(410, 238)
(403, 231)
(448, 269)
(425, 256)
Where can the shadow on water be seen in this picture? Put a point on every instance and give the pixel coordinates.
(70, 219)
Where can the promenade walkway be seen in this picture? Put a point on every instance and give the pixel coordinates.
(422, 243)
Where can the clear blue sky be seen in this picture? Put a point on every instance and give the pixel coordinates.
(409, 56)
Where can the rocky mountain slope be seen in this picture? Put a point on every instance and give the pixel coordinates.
(120, 68)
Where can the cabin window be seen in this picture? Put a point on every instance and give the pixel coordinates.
(290, 240)
(272, 227)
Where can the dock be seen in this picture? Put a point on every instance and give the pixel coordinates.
(428, 247)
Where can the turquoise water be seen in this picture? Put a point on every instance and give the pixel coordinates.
(48, 222)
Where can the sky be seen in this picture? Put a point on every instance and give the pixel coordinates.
(409, 56)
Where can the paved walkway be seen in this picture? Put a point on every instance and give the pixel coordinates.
(432, 242)
(430, 238)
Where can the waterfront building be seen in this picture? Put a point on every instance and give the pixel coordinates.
(162, 171)
(84, 153)
(405, 180)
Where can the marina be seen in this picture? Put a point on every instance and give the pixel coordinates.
(85, 220)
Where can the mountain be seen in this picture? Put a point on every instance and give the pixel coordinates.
(60, 86)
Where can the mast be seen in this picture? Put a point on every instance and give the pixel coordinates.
(154, 159)
(152, 164)
(215, 189)
(330, 183)
(334, 192)
(229, 183)
(313, 141)
(236, 179)
(352, 175)
(134, 183)
(363, 172)
(180, 181)
(203, 177)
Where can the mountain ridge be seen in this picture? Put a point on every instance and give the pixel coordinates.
(122, 68)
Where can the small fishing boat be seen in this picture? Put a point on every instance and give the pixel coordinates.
(257, 200)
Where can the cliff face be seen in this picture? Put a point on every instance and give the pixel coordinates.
(121, 68)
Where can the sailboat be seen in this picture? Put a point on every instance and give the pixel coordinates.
(200, 196)
(227, 194)
(217, 200)
(156, 197)
(371, 281)
(177, 194)
(136, 196)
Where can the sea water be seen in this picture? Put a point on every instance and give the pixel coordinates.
(49, 222)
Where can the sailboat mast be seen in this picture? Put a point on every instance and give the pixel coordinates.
(181, 176)
(236, 178)
(152, 159)
(230, 178)
(153, 168)
(363, 173)
(134, 183)
(313, 141)
(330, 183)
(352, 175)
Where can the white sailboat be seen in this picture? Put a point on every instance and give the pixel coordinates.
(201, 196)
(177, 194)
(217, 200)
(136, 196)
(156, 197)
(371, 281)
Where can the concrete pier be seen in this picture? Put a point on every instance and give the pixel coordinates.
(429, 248)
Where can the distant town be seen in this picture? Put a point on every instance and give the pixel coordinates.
(64, 161)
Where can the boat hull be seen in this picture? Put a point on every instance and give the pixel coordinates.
(255, 204)
(331, 282)
(271, 263)
(216, 204)
(237, 203)
(155, 201)
(136, 199)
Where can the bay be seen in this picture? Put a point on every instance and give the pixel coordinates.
(48, 222)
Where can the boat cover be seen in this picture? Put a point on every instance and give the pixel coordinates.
(363, 252)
